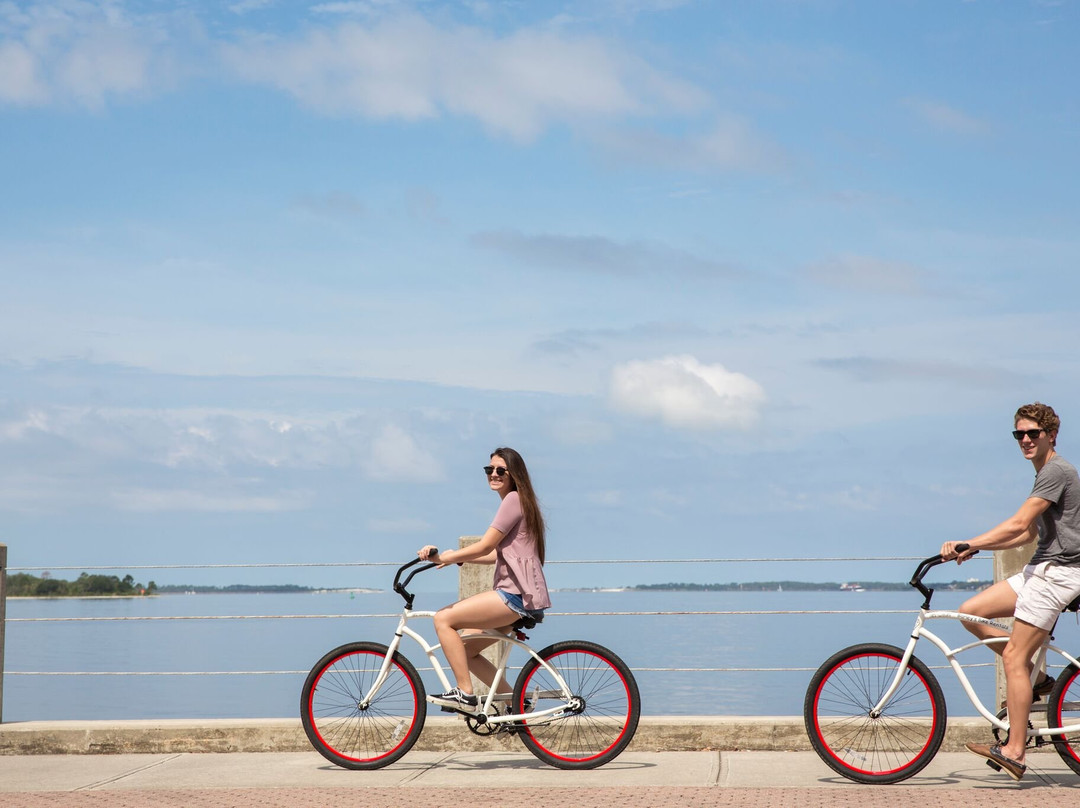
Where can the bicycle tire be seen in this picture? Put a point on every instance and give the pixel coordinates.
(606, 720)
(887, 749)
(368, 738)
(1062, 710)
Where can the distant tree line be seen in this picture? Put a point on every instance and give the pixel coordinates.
(231, 588)
(23, 585)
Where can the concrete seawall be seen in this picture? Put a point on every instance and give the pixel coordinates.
(441, 734)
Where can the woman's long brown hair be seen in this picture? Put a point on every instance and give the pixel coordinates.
(530, 507)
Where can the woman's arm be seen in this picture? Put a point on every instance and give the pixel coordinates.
(481, 552)
(1017, 530)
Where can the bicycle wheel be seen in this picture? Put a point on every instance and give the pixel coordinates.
(887, 748)
(341, 727)
(599, 721)
(1064, 709)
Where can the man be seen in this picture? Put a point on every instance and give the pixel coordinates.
(1037, 595)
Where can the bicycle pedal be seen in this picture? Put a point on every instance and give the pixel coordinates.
(461, 711)
(996, 767)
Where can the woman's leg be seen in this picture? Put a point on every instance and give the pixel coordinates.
(485, 610)
(480, 666)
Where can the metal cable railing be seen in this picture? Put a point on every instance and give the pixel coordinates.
(554, 562)
(395, 615)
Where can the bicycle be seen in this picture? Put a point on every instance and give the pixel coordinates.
(575, 704)
(876, 714)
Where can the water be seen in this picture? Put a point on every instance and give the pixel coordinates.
(678, 641)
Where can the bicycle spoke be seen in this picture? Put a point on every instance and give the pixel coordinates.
(886, 747)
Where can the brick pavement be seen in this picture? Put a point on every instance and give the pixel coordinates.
(740, 779)
(1007, 796)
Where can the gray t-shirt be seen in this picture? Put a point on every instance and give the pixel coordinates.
(1059, 525)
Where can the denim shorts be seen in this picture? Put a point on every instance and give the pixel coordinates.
(517, 605)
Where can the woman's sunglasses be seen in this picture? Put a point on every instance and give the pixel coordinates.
(1033, 434)
(496, 471)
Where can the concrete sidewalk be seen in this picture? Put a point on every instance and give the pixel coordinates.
(438, 780)
(683, 761)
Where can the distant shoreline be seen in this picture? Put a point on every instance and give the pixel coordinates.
(237, 589)
(807, 586)
(751, 586)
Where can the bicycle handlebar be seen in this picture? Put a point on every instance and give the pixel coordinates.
(926, 565)
(400, 587)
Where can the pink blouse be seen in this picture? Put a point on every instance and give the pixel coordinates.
(517, 565)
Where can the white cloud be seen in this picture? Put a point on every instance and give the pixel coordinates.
(147, 500)
(246, 6)
(606, 499)
(731, 145)
(403, 525)
(946, 118)
(580, 430)
(77, 53)
(20, 427)
(387, 64)
(353, 7)
(396, 457)
(600, 255)
(407, 68)
(868, 274)
(683, 392)
(20, 80)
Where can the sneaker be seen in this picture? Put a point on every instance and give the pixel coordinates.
(1042, 687)
(455, 701)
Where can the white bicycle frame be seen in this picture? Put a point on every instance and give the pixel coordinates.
(508, 642)
(920, 632)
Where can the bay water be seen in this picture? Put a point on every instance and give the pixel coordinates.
(727, 663)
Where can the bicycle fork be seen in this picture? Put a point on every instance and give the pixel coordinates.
(384, 669)
(901, 670)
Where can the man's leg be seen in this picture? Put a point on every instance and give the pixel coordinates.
(993, 602)
(1026, 639)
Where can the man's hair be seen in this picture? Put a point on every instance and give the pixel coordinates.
(1043, 415)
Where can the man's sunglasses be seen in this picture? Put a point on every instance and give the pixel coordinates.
(1033, 434)
(496, 471)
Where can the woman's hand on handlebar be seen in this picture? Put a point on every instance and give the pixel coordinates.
(429, 552)
(960, 550)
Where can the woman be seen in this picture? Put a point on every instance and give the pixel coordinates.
(1035, 596)
(514, 543)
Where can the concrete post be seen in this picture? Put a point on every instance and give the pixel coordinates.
(3, 621)
(472, 580)
(1006, 564)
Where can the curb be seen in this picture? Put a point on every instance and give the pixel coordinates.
(441, 734)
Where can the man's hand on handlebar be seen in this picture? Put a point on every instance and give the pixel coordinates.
(960, 550)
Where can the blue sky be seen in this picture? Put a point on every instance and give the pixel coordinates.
(739, 279)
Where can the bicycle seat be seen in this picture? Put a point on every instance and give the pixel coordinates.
(1074, 605)
(530, 622)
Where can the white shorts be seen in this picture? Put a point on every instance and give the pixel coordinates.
(1042, 591)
